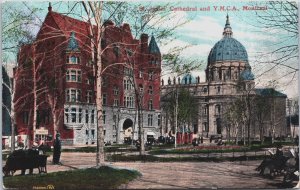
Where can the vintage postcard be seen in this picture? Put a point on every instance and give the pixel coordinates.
(149, 95)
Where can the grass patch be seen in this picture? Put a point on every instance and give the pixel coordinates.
(151, 158)
(91, 178)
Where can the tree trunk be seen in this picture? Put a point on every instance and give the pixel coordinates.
(141, 131)
(34, 73)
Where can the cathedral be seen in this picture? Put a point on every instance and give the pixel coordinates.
(228, 104)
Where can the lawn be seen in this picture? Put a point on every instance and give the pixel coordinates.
(91, 178)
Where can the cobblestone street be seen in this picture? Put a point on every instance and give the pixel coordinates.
(172, 175)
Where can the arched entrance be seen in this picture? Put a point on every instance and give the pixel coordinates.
(127, 128)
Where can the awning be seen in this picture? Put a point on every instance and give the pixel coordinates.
(151, 133)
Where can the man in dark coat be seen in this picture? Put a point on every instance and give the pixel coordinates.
(57, 149)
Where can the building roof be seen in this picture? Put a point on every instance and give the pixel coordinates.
(153, 47)
(269, 92)
(228, 48)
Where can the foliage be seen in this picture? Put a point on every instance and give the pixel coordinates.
(91, 178)
(282, 16)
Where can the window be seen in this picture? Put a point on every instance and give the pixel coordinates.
(205, 90)
(104, 117)
(205, 127)
(158, 119)
(73, 115)
(150, 119)
(93, 133)
(93, 116)
(115, 118)
(104, 99)
(218, 90)
(73, 75)
(116, 90)
(25, 117)
(116, 102)
(128, 71)
(127, 84)
(150, 91)
(150, 105)
(140, 74)
(218, 110)
(205, 110)
(89, 96)
(128, 101)
(86, 116)
(150, 75)
(80, 115)
(73, 95)
(89, 80)
(75, 60)
(67, 115)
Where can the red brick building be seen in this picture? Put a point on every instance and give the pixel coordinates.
(57, 71)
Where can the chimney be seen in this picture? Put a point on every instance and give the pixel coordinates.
(144, 43)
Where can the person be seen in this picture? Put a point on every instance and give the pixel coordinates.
(57, 149)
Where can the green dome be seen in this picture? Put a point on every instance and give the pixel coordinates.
(187, 78)
(228, 49)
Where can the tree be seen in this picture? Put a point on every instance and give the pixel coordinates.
(282, 16)
(16, 29)
(261, 110)
(185, 112)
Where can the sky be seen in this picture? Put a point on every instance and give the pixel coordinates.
(204, 28)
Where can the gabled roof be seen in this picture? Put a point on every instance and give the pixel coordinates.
(269, 92)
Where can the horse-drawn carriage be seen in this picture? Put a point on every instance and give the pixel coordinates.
(25, 159)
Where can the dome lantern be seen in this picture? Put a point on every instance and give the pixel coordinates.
(227, 29)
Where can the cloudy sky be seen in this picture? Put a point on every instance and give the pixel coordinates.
(204, 28)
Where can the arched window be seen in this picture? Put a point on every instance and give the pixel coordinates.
(73, 60)
(217, 110)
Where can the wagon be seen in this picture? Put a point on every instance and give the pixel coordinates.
(25, 159)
